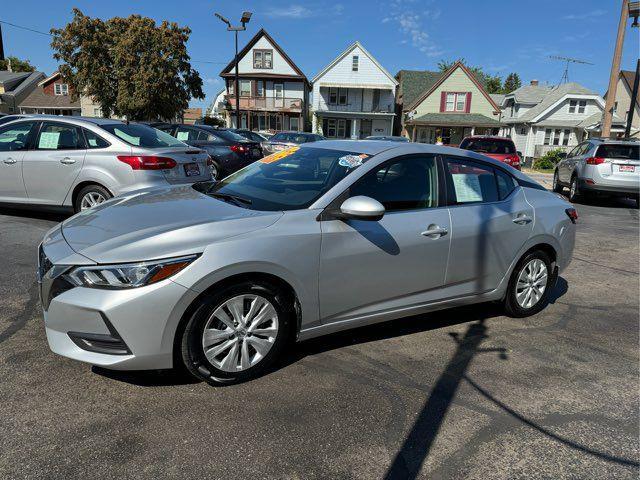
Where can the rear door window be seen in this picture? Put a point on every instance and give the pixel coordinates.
(619, 151)
(470, 182)
(506, 184)
(57, 136)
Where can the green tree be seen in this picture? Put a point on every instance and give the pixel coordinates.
(17, 65)
(130, 66)
(491, 83)
(511, 83)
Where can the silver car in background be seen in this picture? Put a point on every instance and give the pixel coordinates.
(283, 140)
(598, 166)
(331, 235)
(81, 162)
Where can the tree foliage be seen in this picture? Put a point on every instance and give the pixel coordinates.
(491, 83)
(130, 66)
(549, 160)
(511, 83)
(17, 65)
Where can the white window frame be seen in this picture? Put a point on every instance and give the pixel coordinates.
(333, 91)
(342, 126)
(242, 83)
(355, 61)
(60, 89)
(458, 98)
(582, 106)
(331, 124)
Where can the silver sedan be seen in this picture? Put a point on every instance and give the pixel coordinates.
(311, 240)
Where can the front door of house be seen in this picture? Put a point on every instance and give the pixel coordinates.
(365, 128)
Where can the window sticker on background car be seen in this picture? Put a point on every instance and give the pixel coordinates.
(274, 157)
(352, 161)
(182, 136)
(467, 187)
(49, 140)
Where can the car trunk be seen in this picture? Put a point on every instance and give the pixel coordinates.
(191, 164)
(619, 162)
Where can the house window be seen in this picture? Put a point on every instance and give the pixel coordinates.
(565, 137)
(577, 105)
(556, 136)
(262, 59)
(582, 105)
(331, 128)
(354, 63)
(341, 128)
(523, 130)
(456, 102)
(333, 96)
(61, 89)
(230, 87)
(245, 88)
(337, 96)
(259, 88)
(547, 136)
(294, 124)
(342, 96)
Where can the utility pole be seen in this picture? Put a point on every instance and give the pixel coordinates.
(1, 45)
(246, 16)
(615, 71)
(634, 100)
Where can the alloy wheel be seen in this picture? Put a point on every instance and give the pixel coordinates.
(240, 332)
(213, 169)
(91, 199)
(532, 283)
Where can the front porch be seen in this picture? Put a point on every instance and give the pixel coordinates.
(266, 121)
(354, 126)
(449, 129)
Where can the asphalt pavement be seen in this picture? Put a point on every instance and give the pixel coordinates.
(459, 394)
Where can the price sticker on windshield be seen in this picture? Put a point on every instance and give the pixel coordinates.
(352, 161)
(274, 157)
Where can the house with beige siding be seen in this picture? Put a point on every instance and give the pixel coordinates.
(623, 103)
(454, 106)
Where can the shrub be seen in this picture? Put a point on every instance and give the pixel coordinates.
(549, 160)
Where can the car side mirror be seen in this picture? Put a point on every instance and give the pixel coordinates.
(361, 208)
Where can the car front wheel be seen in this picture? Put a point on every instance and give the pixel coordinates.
(574, 192)
(556, 183)
(529, 286)
(235, 334)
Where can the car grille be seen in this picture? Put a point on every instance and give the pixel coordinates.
(50, 278)
(44, 264)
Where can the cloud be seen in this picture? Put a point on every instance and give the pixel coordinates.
(411, 26)
(585, 15)
(212, 80)
(300, 11)
(577, 37)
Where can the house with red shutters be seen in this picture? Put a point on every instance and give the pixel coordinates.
(444, 107)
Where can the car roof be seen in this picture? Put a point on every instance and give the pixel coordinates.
(488, 137)
(68, 118)
(619, 141)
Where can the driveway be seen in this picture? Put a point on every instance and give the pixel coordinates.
(462, 394)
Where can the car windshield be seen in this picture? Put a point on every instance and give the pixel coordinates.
(292, 138)
(288, 180)
(621, 151)
(488, 145)
(142, 135)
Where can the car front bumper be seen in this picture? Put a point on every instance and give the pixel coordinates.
(130, 329)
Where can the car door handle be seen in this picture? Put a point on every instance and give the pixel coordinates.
(67, 161)
(10, 161)
(522, 219)
(434, 231)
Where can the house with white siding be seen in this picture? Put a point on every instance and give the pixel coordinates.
(273, 91)
(353, 96)
(540, 118)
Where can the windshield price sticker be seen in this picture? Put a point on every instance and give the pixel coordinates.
(274, 157)
(352, 161)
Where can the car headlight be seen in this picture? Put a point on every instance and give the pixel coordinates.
(127, 275)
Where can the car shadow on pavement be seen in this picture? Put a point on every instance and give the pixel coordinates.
(41, 214)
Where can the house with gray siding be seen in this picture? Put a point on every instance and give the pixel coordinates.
(353, 96)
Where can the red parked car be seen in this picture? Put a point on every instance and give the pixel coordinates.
(498, 148)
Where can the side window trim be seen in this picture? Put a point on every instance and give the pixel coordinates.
(86, 142)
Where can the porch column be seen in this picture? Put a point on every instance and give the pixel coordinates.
(354, 129)
(473, 131)
(413, 133)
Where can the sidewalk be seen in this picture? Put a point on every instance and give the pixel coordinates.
(545, 179)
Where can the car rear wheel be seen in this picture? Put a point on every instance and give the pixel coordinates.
(90, 196)
(574, 191)
(237, 333)
(557, 187)
(529, 286)
(214, 169)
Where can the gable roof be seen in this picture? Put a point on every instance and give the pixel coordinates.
(53, 76)
(554, 95)
(39, 99)
(15, 83)
(262, 33)
(530, 94)
(349, 49)
(414, 82)
(446, 75)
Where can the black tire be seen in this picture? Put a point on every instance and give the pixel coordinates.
(557, 186)
(90, 189)
(216, 170)
(574, 190)
(192, 351)
(511, 306)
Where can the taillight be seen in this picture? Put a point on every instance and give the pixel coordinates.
(572, 213)
(147, 162)
(595, 160)
(239, 148)
(513, 160)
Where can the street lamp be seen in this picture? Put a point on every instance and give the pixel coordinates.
(246, 16)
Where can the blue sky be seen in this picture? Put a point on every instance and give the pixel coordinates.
(499, 35)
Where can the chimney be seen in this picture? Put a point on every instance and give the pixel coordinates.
(534, 83)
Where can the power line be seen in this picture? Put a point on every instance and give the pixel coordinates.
(26, 28)
(207, 61)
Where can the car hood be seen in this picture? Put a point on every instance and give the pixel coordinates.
(158, 223)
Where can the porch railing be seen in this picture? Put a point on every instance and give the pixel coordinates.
(281, 104)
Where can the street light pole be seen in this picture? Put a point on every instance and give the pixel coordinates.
(246, 16)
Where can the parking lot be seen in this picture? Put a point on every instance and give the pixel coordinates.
(464, 393)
